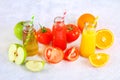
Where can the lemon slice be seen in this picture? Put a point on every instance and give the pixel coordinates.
(34, 65)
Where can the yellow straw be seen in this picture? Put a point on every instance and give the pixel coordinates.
(95, 21)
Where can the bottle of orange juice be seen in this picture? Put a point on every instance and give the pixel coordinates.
(88, 41)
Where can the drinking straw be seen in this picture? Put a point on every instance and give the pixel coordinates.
(95, 21)
(29, 31)
(32, 20)
(64, 14)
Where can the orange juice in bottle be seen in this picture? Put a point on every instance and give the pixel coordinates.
(88, 41)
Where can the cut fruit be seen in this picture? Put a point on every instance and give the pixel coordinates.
(34, 65)
(53, 55)
(17, 53)
(104, 38)
(87, 17)
(98, 60)
(71, 54)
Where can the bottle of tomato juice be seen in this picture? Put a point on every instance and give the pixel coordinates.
(59, 33)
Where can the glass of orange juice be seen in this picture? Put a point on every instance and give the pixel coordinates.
(88, 41)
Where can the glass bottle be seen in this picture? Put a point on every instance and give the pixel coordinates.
(88, 41)
(29, 40)
(59, 33)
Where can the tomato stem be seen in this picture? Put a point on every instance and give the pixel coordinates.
(43, 29)
(70, 28)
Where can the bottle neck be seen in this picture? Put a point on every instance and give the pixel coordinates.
(27, 27)
(89, 26)
(59, 19)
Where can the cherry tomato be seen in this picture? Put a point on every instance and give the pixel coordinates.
(73, 32)
(71, 54)
(44, 35)
(53, 55)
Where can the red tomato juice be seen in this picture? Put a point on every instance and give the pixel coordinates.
(59, 34)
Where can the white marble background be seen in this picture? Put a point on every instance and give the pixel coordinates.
(13, 11)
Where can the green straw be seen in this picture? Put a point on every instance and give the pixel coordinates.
(29, 31)
(32, 20)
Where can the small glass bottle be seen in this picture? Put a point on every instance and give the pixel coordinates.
(29, 40)
(59, 33)
(88, 41)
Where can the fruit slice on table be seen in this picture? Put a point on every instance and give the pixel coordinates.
(104, 38)
(71, 54)
(34, 65)
(17, 53)
(87, 17)
(98, 60)
(53, 55)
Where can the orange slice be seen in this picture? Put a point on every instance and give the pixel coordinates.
(87, 17)
(104, 38)
(98, 60)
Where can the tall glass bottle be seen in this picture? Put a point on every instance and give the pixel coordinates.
(88, 41)
(29, 40)
(59, 33)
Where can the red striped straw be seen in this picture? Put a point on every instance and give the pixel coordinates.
(64, 14)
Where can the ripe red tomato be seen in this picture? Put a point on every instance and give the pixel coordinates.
(44, 35)
(73, 32)
(71, 54)
(53, 55)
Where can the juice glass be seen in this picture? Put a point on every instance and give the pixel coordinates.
(88, 41)
(29, 40)
(59, 33)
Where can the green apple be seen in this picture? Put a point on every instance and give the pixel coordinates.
(17, 53)
(34, 65)
(18, 30)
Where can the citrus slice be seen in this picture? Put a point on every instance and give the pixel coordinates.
(104, 38)
(87, 17)
(98, 60)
